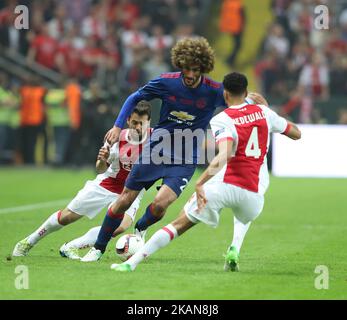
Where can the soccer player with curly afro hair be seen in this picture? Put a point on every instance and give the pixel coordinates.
(189, 100)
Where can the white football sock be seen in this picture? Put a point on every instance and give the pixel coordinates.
(159, 240)
(50, 225)
(240, 230)
(86, 241)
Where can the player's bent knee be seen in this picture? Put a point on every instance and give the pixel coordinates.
(158, 209)
(159, 206)
(123, 203)
(67, 216)
(182, 223)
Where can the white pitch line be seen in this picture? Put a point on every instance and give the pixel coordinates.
(34, 206)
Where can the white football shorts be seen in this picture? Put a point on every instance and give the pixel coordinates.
(93, 198)
(246, 205)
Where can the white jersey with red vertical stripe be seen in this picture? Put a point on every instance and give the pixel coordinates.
(123, 154)
(249, 127)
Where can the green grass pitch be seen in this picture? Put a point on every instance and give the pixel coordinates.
(303, 225)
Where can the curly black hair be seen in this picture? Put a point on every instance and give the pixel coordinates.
(193, 51)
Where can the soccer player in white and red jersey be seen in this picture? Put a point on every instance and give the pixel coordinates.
(236, 178)
(113, 165)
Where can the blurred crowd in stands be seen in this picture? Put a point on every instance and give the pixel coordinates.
(104, 49)
(302, 67)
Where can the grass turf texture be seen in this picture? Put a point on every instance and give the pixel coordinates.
(303, 225)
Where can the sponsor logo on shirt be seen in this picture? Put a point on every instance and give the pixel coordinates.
(182, 117)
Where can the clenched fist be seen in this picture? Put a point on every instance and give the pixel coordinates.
(104, 153)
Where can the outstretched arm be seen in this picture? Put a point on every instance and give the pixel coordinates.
(281, 125)
(292, 131)
(153, 89)
(112, 135)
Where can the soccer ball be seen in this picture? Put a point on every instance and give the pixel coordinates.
(127, 245)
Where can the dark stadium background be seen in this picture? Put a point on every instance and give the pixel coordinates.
(103, 50)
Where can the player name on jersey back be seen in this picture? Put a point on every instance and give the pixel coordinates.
(249, 118)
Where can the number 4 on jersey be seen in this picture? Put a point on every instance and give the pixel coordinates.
(252, 148)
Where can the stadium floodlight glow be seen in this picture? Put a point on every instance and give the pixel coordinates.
(321, 152)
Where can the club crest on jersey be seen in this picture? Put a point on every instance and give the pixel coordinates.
(127, 166)
(201, 103)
